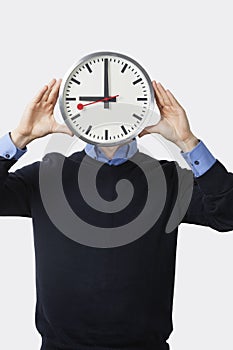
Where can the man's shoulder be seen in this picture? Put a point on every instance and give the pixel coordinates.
(150, 160)
(172, 169)
(53, 158)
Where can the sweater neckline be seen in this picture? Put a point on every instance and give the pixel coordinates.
(94, 161)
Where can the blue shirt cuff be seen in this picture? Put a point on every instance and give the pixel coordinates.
(200, 159)
(8, 149)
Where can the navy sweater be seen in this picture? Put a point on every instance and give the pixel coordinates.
(119, 297)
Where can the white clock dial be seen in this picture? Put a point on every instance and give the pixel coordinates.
(106, 98)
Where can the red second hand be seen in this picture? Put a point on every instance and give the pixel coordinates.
(80, 106)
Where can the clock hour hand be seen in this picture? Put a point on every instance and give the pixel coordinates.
(80, 106)
(94, 98)
(106, 86)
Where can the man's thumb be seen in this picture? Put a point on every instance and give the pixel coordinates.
(63, 128)
(148, 130)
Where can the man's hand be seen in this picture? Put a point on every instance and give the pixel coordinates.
(174, 125)
(38, 117)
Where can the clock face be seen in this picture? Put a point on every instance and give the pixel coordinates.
(106, 98)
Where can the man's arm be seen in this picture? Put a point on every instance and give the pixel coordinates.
(37, 121)
(204, 195)
(212, 198)
(210, 202)
(212, 195)
(15, 188)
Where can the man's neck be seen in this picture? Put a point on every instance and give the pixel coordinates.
(109, 151)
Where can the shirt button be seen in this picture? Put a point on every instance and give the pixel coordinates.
(196, 162)
(7, 155)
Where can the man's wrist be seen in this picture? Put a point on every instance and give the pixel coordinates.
(189, 144)
(200, 159)
(20, 141)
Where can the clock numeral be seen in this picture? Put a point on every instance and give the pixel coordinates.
(137, 81)
(124, 68)
(137, 116)
(88, 129)
(142, 99)
(70, 98)
(75, 116)
(124, 129)
(88, 67)
(75, 81)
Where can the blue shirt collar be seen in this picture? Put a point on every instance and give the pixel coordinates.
(122, 154)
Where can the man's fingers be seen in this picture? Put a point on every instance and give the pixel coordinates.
(158, 96)
(173, 99)
(40, 94)
(52, 98)
(47, 93)
(164, 94)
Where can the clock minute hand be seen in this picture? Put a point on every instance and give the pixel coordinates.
(80, 106)
(106, 85)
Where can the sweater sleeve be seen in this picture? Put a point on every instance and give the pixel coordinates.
(211, 201)
(16, 188)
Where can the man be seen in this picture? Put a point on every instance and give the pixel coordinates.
(121, 297)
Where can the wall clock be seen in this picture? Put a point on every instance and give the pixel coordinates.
(107, 98)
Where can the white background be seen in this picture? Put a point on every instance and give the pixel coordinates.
(187, 46)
